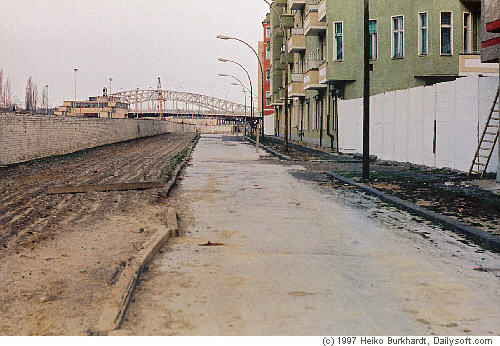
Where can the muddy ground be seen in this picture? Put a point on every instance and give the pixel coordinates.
(444, 191)
(62, 254)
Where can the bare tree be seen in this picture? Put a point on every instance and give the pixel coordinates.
(7, 92)
(35, 98)
(2, 102)
(28, 100)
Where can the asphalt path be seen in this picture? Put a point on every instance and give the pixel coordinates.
(295, 256)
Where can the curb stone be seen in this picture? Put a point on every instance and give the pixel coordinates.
(484, 238)
(272, 151)
(116, 305)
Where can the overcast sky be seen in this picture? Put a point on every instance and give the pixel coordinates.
(132, 41)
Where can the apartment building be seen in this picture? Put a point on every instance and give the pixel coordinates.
(95, 107)
(265, 58)
(413, 43)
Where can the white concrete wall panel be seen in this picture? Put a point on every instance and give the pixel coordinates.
(376, 128)
(389, 126)
(401, 114)
(466, 117)
(445, 121)
(402, 123)
(350, 126)
(428, 130)
(416, 125)
(488, 88)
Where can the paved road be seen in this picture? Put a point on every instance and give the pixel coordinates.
(300, 258)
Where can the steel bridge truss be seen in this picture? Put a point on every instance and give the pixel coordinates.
(205, 104)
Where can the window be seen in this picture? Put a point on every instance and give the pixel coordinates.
(339, 42)
(423, 31)
(268, 32)
(373, 40)
(446, 33)
(467, 32)
(268, 75)
(398, 37)
(268, 94)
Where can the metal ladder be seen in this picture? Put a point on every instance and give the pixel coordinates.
(488, 139)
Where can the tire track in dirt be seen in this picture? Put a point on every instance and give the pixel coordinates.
(28, 212)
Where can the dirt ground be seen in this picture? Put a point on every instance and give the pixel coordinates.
(441, 190)
(62, 254)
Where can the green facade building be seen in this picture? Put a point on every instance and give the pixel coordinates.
(413, 43)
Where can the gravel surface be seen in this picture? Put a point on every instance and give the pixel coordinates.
(443, 191)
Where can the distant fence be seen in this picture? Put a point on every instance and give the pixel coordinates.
(437, 126)
(28, 137)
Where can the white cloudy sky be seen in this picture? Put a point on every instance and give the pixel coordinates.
(132, 41)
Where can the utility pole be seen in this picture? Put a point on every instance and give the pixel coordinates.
(366, 93)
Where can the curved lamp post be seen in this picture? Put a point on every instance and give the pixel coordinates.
(249, 79)
(223, 37)
(244, 92)
(285, 135)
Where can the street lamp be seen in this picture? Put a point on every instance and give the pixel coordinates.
(223, 37)
(285, 135)
(249, 79)
(76, 70)
(244, 92)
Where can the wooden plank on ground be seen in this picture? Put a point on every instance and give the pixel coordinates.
(105, 187)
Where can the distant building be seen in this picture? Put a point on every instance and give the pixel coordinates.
(264, 54)
(95, 107)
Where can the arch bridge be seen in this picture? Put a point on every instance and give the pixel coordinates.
(169, 102)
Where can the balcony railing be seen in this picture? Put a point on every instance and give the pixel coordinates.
(296, 87)
(313, 64)
(296, 4)
(312, 78)
(322, 73)
(297, 41)
(289, 56)
(322, 11)
(312, 26)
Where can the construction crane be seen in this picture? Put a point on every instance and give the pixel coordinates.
(160, 100)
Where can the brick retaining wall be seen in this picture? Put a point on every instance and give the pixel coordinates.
(28, 137)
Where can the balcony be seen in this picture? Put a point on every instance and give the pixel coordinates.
(297, 41)
(282, 94)
(312, 25)
(275, 100)
(296, 4)
(322, 73)
(322, 11)
(277, 65)
(312, 78)
(296, 87)
(284, 56)
(470, 64)
(288, 20)
(281, 2)
(277, 32)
